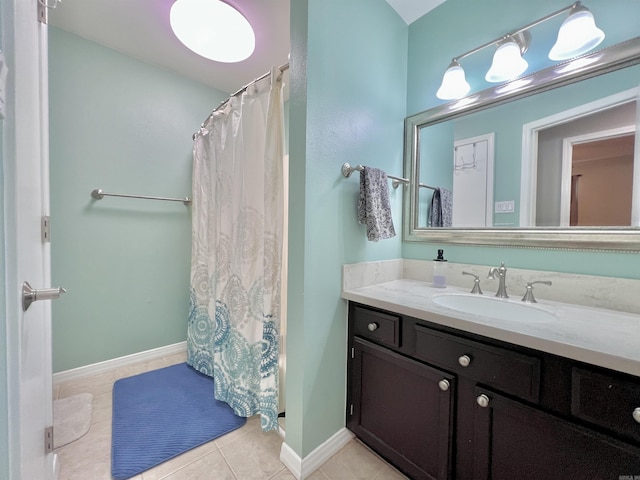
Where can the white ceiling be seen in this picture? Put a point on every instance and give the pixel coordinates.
(411, 10)
(141, 30)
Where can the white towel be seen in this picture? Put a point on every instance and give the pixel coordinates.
(374, 208)
(441, 207)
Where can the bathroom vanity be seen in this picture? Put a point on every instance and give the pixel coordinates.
(443, 395)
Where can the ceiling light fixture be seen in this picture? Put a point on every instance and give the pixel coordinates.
(212, 29)
(577, 35)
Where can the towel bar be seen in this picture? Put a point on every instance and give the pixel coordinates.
(347, 170)
(98, 194)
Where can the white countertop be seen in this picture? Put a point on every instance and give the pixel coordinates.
(597, 336)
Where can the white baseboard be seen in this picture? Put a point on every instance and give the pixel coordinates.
(114, 363)
(302, 468)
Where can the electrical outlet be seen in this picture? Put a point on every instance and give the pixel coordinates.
(507, 206)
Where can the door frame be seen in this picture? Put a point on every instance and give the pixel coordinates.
(25, 142)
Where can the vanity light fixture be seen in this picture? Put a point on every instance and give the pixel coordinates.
(577, 35)
(213, 29)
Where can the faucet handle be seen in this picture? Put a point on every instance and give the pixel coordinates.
(476, 283)
(528, 295)
(500, 271)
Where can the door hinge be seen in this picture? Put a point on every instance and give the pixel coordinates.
(43, 9)
(46, 229)
(48, 439)
(351, 409)
(353, 352)
(43, 12)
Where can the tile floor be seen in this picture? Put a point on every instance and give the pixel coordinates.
(226, 458)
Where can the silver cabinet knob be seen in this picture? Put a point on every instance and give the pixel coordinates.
(30, 295)
(483, 400)
(636, 414)
(464, 360)
(372, 327)
(444, 385)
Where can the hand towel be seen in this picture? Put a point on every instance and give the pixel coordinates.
(374, 208)
(441, 207)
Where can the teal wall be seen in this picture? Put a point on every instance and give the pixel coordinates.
(435, 39)
(347, 105)
(123, 126)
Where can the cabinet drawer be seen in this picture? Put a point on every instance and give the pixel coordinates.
(606, 400)
(379, 327)
(508, 371)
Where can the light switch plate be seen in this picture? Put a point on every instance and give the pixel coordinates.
(507, 206)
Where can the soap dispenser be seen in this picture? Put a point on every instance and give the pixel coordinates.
(439, 271)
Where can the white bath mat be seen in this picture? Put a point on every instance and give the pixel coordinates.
(71, 418)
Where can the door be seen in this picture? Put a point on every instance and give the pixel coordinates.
(403, 409)
(25, 163)
(473, 160)
(513, 440)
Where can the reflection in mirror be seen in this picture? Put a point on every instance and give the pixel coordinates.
(554, 154)
(454, 155)
(585, 163)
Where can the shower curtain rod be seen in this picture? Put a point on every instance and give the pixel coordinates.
(282, 68)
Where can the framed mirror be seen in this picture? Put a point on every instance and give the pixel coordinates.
(515, 165)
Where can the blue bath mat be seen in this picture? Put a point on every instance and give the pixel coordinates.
(160, 414)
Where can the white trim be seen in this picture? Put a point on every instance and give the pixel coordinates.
(114, 363)
(291, 460)
(302, 468)
(529, 165)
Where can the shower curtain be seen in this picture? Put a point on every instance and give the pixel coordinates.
(236, 257)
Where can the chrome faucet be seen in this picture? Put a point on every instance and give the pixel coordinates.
(528, 294)
(476, 283)
(501, 271)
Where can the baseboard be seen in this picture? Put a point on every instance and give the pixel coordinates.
(114, 363)
(302, 468)
(56, 466)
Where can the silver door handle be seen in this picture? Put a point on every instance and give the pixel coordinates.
(30, 295)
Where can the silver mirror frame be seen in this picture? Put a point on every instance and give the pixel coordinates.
(607, 60)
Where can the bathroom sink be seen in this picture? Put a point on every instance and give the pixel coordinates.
(493, 307)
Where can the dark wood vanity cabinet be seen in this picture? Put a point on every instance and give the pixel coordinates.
(443, 404)
(400, 407)
(514, 440)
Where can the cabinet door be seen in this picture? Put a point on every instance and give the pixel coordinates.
(513, 440)
(402, 409)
